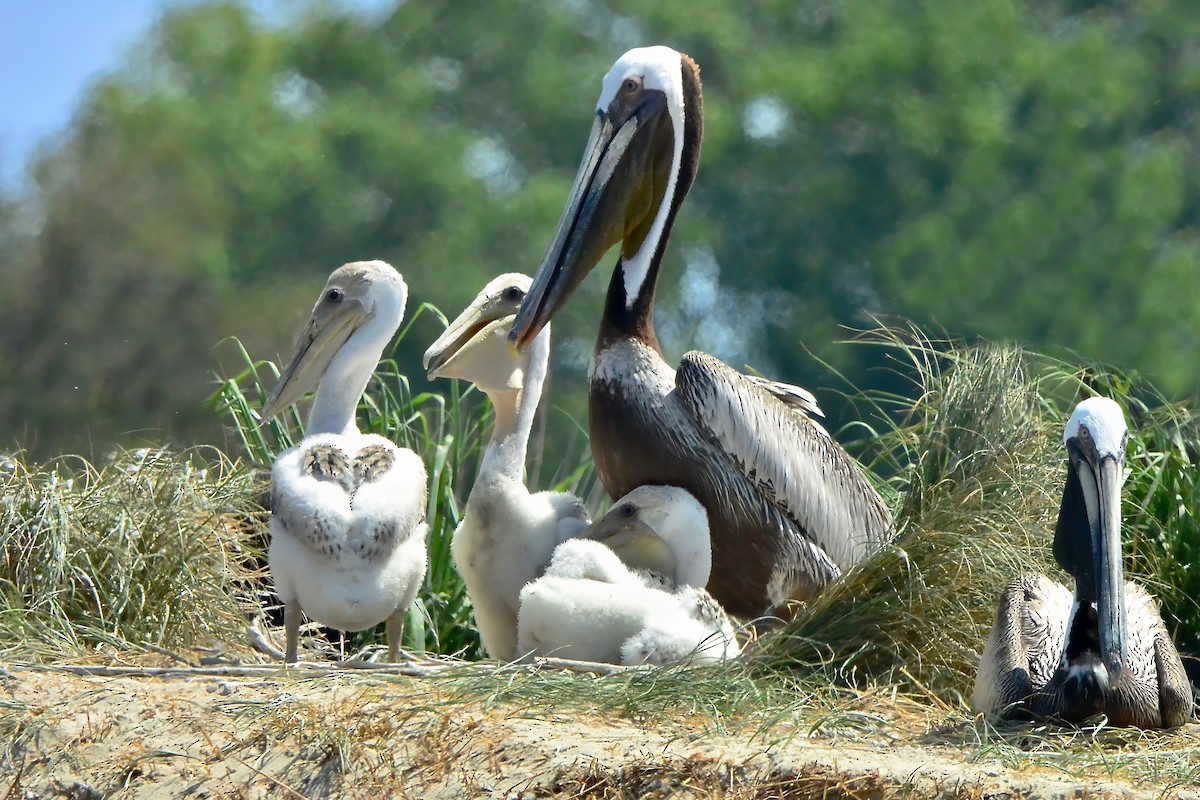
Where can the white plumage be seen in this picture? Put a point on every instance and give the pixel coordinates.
(348, 509)
(630, 590)
(507, 533)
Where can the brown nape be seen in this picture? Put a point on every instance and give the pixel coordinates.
(1083, 639)
(690, 66)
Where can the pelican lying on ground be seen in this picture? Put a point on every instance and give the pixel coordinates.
(790, 510)
(347, 508)
(1105, 649)
(507, 534)
(630, 589)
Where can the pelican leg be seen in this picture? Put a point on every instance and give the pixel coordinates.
(1175, 700)
(395, 633)
(291, 626)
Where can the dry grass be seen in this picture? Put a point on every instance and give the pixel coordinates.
(154, 548)
(981, 466)
(364, 734)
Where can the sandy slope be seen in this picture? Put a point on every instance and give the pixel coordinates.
(352, 735)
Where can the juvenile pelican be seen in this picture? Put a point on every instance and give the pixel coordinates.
(347, 508)
(790, 510)
(507, 534)
(1103, 650)
(630, 589)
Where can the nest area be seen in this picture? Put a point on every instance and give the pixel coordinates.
(158, 552)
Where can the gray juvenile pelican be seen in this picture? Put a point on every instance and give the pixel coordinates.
(630, 590)
(1103, 650)
(347, 508)
(789, 509)
(507, 534)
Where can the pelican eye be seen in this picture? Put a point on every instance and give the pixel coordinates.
(513, 293)
(631, 85)
(335, 295)
(628, 510)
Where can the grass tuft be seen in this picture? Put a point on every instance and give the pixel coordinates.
(153, 548)
(976, 458)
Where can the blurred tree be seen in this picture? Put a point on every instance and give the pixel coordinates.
(1013, 168)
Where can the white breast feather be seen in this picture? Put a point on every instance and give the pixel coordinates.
(504, 541)
(350, 560)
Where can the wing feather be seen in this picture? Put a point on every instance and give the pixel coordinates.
(794, 397)
(789, 457)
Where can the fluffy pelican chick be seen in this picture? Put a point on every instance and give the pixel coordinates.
(507, 533)
(347, 508)
(630, 589)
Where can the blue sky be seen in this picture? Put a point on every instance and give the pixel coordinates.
(50, 50)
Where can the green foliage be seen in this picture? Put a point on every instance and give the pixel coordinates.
(1021, 170)
(153, 548)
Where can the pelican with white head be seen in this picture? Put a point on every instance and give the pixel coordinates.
(347, 509)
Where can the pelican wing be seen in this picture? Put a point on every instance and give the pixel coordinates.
(789, 458)
(573, 517)
(1025, 646)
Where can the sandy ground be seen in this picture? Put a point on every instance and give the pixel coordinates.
(338, 734)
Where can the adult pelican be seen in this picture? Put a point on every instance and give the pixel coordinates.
(789, 509)
(1103, 649)
(507, 533)
(347, 509)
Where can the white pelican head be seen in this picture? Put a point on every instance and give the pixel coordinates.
(659, 528)
(475, 346)
(357, 314)
(1087, 538)
(639, 162)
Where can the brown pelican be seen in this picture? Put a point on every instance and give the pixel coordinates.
(789, 509)
(507, 534)
(1103, 650)
(347, 508)
(629, 589)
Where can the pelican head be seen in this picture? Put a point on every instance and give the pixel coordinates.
(1087, 539)
(659, 528)
(475, 346)
(634, 174)
(358, 296)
